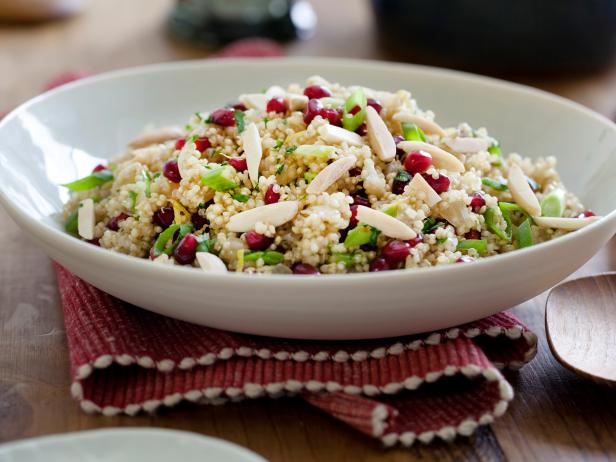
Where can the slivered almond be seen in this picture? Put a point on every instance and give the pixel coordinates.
(419, 185)
(380, 139)
(253, 151)
(426, 125)
(86, 219)
(440, 157)
(467, 145)
(296, 102)
(330, 174)
(158, 135)
(333, 134)
(272, 214)
(256, 101)
(569, 224)
(211, 263)
(521, 191)
(387, 224)
(457, 214)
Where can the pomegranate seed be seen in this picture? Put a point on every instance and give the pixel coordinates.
(271, 195)
(375, 104)
(163, 217)
(179, 144)
(198, 221)
(355, 171)
(477, 202)
(277, 104)
(114, 223)
(413, 242)
(238, 163)
(395, 251)
(186, 250)
(257, 241)
(360, 200)
(239, 106)
(316, 92)
(95, 241)
(171, 171)
(465, 259)
(354, 110)
(353, 221)
(224, 117)
(202, 144)
(98, 168)
(379, 264)
(586, 214)
(473, 234)
(333, 115)
(400, 181)
(312, 110)
(440, 184)
(417, 162)
(361, 130)
(305, 268)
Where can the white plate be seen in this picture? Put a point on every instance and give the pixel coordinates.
(61, 135)
(126, 445)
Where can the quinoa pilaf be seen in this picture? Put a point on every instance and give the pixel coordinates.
(320, 179)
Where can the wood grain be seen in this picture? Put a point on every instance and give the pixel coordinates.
(555, 415)
(580, 323)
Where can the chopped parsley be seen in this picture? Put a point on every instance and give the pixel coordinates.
(279, 169)
(278, 144)
(290, 150)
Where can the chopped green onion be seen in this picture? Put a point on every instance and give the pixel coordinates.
(160, 245)
(494, 184)
(218, 178)
(309, 176)
(524, 234)
(358, 236)
(480, 245)
(279, 169)
(490, 217)
(133, 201)
(430, 224)
(239, 120)
(345, 258)
(374, 235)
(270, 257)
(315, 150)
(240, 197)
(442, 240)
(553, 204)
(193, 138)
(391, 210)
(495, 149)
(412, 132)
(90, 181)
(509, 208)
(147, 178)
(70, 225)
(350, 121)
(205, 244)
(278, 144)
(290, 150)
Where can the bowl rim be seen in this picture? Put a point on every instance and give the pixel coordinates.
(145, 266)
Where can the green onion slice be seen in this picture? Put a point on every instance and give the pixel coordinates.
(350, 121)
(391, 210)
(218, 178)
(239, 120)
(147, 179)
(270, 257)
(90, 181)
(412, 132)
(345, 258)
(240, 197)
(309, 176)
(160, 245)
(490, 217)
(430, 224)
(205, 244)
(553, 204)
(524, 234)
(480, 245)
(495, 150)
(358, 236)
(494, 184)
(70, 225)
(315, 150)
(133, 201)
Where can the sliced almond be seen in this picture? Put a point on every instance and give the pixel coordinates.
(86, 219)
(426, 125)
(467, 145)
(333, 134)
(253, 150)
(159, 135)
(330, 174)
(569, 224)
(440, 157)
(211, 263)
(521, 191)
(296, 102)
(256, 101)
(420, 187)
(457, 214)
(272, 214)
(380, 139)
(388, 225)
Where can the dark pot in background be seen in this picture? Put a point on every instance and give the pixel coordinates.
(495, 37)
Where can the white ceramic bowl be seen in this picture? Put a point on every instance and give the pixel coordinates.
(61, 135)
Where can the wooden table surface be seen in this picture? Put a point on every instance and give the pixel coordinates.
(554, 416)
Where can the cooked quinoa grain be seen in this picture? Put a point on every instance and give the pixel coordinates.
(317, 185)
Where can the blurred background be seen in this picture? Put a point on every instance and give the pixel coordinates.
(564, 46)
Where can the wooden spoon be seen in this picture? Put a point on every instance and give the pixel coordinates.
(580, 324)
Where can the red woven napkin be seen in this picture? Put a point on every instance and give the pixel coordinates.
(440, 384)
